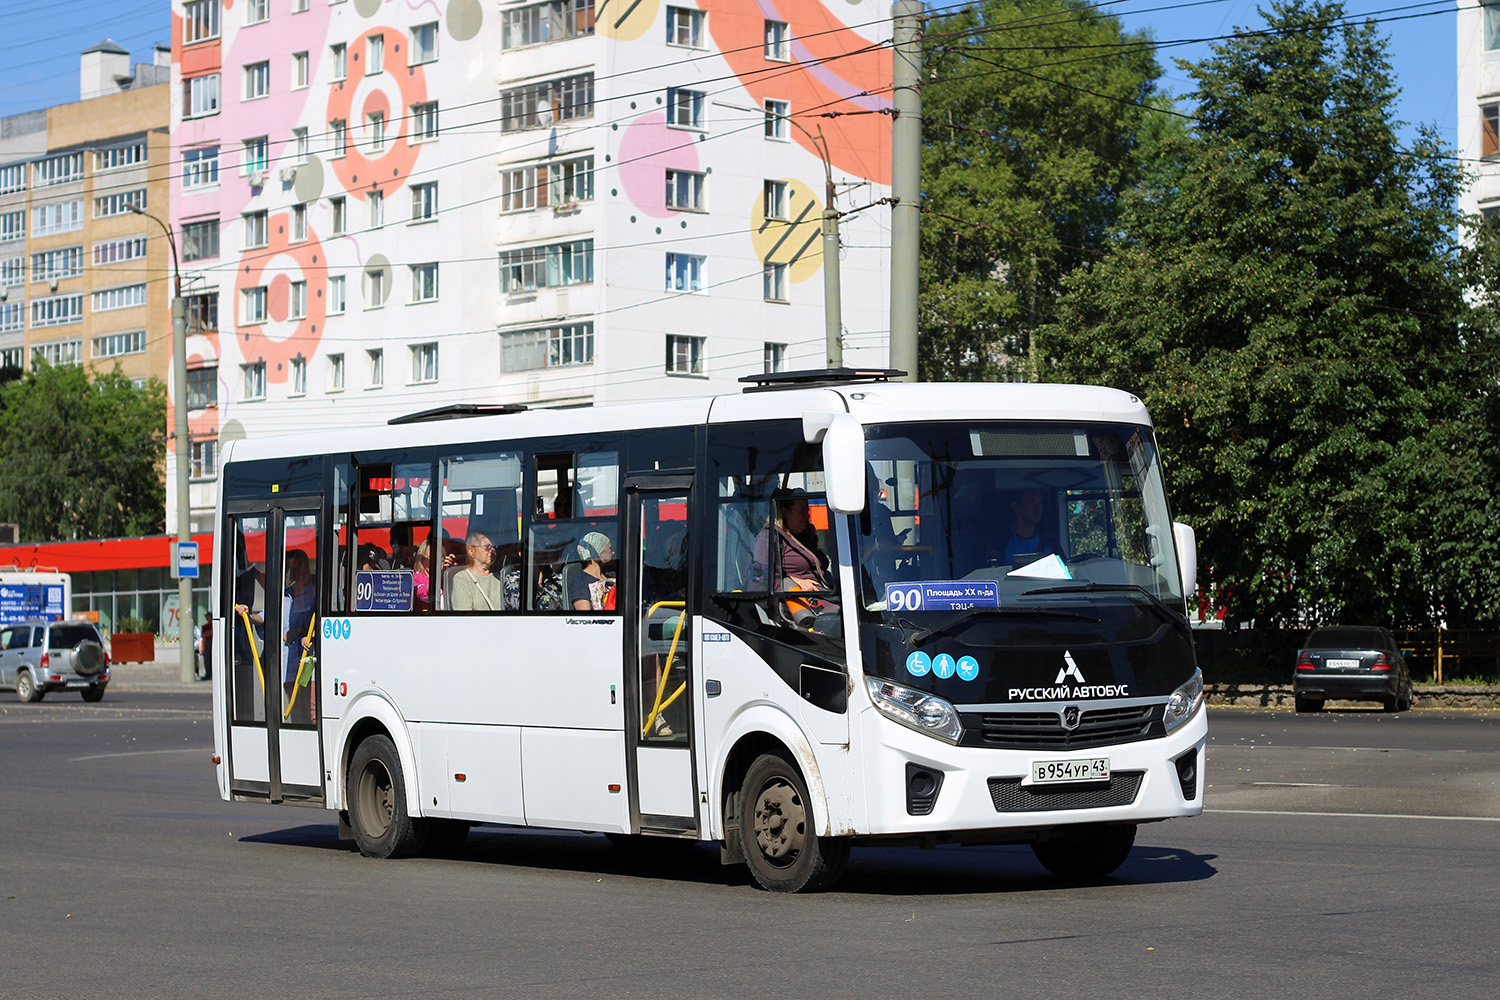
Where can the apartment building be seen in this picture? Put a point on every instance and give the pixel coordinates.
(83, 279)
(385, 208)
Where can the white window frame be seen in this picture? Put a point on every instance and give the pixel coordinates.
(301, 70)
(119, 157)
(257, 11)
(203, 460)
(13, 178)
(424, 363)
(118, 203)
(338, 61)
(687, 273)
(778, 46)
(424, 121)
(424, 282)
(297, 300)
(257, 81)
(57, 310)
(13, 225)
(252, 381)
(119, 297)
(51, 264)
(54, 170)
(201, 95)
(685, 355)
(253, 306)
(13, 270)
(255, 230)
(298, 377)
(200, 168)
(255, 155)
(57, 217)
(546, 347)
(337, 294)
(338, 215)
(773, 358)
(119, 345)
(301, 145)
(338, 139)
(778, 120)
(774, 283)
(299, 223)
(424, 202)
(200, 20)
(685, 108)
(375, 208)
(107, 252)
(375, 54)
(424, 44)
(336, 372)
(375, 290)
(192, 228)
(685, 28)
(375, 368)
(58, 352)
(774, 198)
(685, 190)
(375, 129)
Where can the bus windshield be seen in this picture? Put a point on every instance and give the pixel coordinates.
(1005, 523)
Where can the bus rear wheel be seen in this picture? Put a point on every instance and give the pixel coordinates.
(778, 833)
(1086, 852)
(376, 797)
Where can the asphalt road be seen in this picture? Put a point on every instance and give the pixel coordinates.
(1343, 855)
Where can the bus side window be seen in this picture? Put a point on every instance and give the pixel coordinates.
(575, 511)
(480, 521)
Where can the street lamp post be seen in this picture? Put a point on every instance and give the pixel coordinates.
(185, 613)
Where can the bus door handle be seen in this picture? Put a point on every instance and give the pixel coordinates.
(712, 688)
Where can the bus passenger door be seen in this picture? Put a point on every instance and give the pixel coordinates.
(272, 615)
(661, 692)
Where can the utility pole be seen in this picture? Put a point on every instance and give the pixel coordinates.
(906, 183)
(833, 323)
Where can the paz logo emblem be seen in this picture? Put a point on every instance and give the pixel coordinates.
(1070, 717)
(1070, 669)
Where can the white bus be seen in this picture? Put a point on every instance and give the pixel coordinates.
(830, 610)
(33, 592)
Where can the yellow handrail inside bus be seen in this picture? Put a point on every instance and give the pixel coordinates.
(301, 665)
(660, 705)
(254, 653)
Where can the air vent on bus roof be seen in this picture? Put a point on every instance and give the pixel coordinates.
(457, 411)
(818, 377)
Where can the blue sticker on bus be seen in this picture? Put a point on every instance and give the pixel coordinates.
(918, 664)
(968, 668)
(383, 590)
(943, 666)
(942, 595)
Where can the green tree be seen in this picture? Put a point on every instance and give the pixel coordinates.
(1034, 120)
(1286, 293)
(82, 458)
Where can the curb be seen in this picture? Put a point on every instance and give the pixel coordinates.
(1280, 696)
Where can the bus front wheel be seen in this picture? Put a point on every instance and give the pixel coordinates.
(376, 798)
(1086, 852)
(778, 832)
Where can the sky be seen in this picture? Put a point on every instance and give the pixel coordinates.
(39, 51)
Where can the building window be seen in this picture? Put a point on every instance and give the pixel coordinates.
(13, 178)
(13, 270)
(774, 280)
(375, 365)
(56, 311)
(684, 355)
(543, 184)
(335, 292)
(202, 388)
(375, 288)
(1491, 27)
(375, 202)
(119, 203)
(1490, 114)
(551, 266)
(301, 149)
(203, 312)
(58, 352)
(58, 217)
(424, 201)
(338, 212)
(257, 11)
(547, 347)
(200, 167)
(13, 225)
(204, 460)
(253, 306)
(200, 20)
(297, 300)
(12, 317)
(255, 154)
(300, 74)
(57, 170)
(424, 42)
(253, 380)
(200, 96)
(778, 41)
(424, 121)
(119, 156)
(685, 107)
(552, 21)
(685, 190)
(538, 105)
(335, 373)
(375, 129)
(116, 345)
(123, 297)
(774, 202)
(48, 265)
(338, 138)
(340, 59)
(114, 251)
(299, 223)
(257, 81)
(200, 240)
(255, 228)
(774, 358)
(424, 282)
(685, 272)
(299, 6)
(374, 55)
(299, 377)
(10, 357)
(685, 27)
(424, 363)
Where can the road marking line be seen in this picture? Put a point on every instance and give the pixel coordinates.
(1297, 812)
(142, 753)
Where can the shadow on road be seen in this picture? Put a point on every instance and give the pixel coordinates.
(886, 871)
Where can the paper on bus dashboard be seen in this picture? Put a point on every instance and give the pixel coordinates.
(942, 595)
(1046, 568)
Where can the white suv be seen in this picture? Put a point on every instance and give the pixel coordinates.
(38, 656)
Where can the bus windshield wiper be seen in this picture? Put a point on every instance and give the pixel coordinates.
(988, 612)
(1162, 608)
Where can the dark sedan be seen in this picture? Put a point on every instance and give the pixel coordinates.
(1351, 663)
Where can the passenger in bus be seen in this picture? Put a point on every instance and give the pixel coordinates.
(475, 588)
(298, 609)
(797, 562)
(249, 603)
(590, 589)
(403, 552)
(371, 557)
(421, 582)
(1023, 542)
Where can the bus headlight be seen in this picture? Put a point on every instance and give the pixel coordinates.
(926, 713)
(1184, 701)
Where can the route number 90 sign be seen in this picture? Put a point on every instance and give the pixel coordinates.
(942, 595)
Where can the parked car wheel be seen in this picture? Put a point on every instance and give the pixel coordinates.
(92, 693)
(26, 689)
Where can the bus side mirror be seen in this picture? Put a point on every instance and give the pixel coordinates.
(843, 439)
(1186, 544)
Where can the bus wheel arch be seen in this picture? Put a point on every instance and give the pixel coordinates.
(746, 748)
(375, 800)
(777, 834)
(374, 716)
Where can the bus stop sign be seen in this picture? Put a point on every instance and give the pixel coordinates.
(185, 566)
